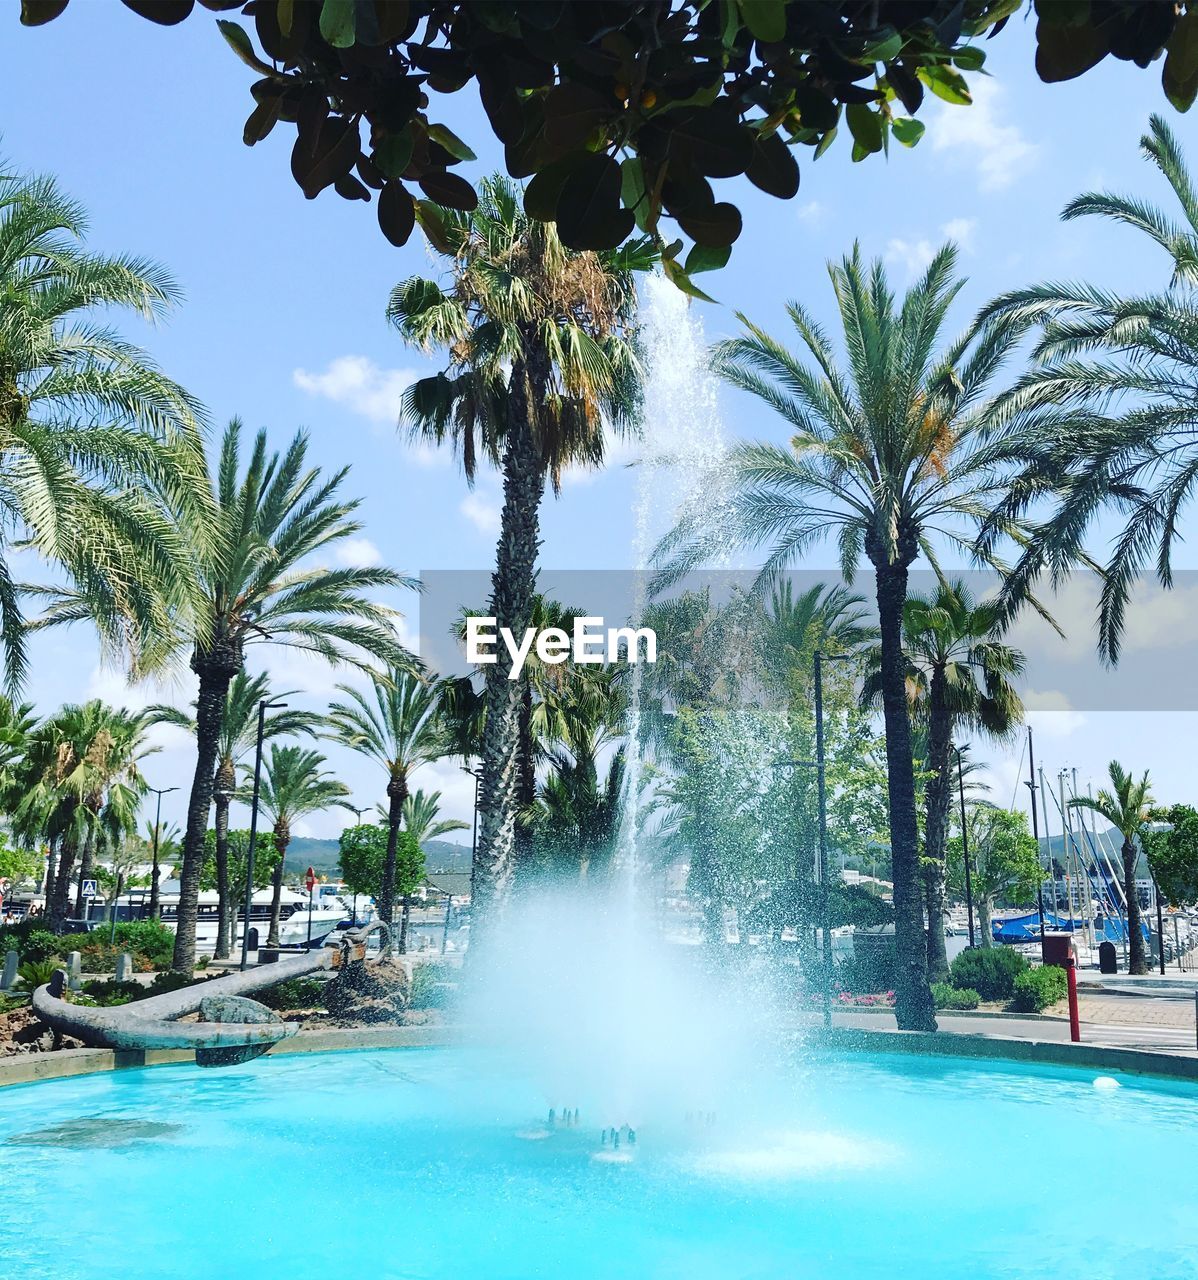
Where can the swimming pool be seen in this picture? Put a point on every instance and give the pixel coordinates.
(439, 1164)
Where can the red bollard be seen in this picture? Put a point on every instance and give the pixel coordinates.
(1075, 1030)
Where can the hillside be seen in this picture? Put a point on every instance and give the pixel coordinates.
(440, 855)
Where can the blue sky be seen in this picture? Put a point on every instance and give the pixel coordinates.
(283, 322)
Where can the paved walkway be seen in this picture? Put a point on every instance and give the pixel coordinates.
(1097, 1028)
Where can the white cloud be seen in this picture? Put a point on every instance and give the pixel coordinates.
(980, 135)
(812, 213)
(915, 255)
(912, 255)
(961, 232)
(482, 511)
(358, 553)
(1050, 713)
(359, 384)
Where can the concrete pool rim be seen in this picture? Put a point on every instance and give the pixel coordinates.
(32, 1068)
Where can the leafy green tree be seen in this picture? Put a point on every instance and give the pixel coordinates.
(1004, 862)
(541, 361)
(399, 726)
(1127, 806)
(365, 852)
(238, 737)
(17, 865)
(897, 448)
(295, 784)
(259, 584)
(100, 450)
(959, 681)
(1171, 845)
(686, 90)
(1106, 416)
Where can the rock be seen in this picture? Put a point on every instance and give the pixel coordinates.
(369, 994)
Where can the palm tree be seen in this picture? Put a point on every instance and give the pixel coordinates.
(959, 680)
(162, 840)
(1107, 417)
(420, 811)
(238, 736)
(83, 789)
(101, 452)
(399, 726)
(1127, 806)
(541, 360)
(893, 456)
(259, 585)
(295, 784)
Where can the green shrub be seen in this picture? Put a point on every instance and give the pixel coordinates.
(107, 993)
(41, 944)
(947, 996)
(295, 993)
(168, 980)
(36, 973)
(1036, 989)
(867, 972)
(990, 971)
(432, 987)
(148, 938)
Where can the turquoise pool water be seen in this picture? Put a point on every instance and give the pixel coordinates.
(428, 1165)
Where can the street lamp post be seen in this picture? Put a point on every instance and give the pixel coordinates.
(1031, 786)
(154, 872)
(965, 843)
(249, 857)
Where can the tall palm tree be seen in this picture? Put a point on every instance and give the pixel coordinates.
(100, 453)
(1107, 417)
(1127, 806)
(959, 680)
(238, 736)
(541, 361)
(891, 455)
(295, 784)
(259, 584)
(399, 726)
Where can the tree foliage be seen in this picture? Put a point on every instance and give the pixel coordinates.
(364, 856)
(685, 92)
(1172, 851)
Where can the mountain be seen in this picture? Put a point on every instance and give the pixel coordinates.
(323, 857)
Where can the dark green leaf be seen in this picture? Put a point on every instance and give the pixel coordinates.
(766, 19)
(971, 58)
(394, 153)
(773, 167)
(337, 23)
(713, 140)
(432, 223)
(36, 12)
(633, 191)
(865, 126)
(716, 226)
(816, 109)
(589, 215)
(449, 191)
(239, 42)
(680, 280)
(572, 113)
(703, 257)
(397, 213)
(541, 194)
(450, 141)
(165, 12)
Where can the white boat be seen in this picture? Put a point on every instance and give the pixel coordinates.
(296, 927)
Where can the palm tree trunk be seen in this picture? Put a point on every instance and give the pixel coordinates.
(937, 797)
(397, 793)
(1137, 960)
(914, 1009)
(85, 867)
(215, 669)
(51, 862)
(62, 884)
(282, 840)
(512, 589)
(526, 785)
(223, 938)
(403, 924)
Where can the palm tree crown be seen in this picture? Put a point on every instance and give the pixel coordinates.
(101, 452)
(1107, 418)
(1127, 806)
